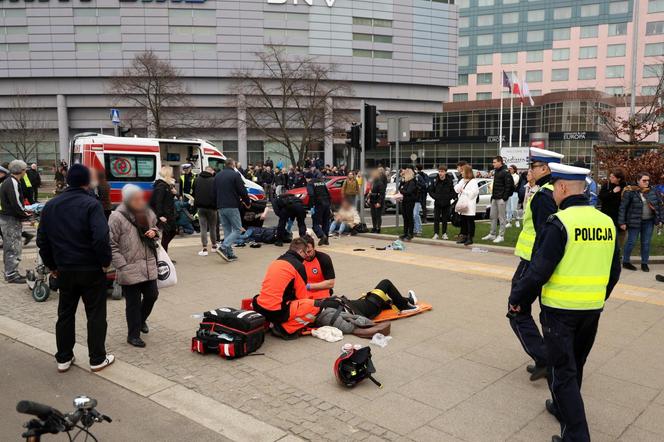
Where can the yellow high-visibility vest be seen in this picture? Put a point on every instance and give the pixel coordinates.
(26, 180)
(580, 278)
(193, 178)
(526, 240)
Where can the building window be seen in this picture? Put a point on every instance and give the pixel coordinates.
(510, 18)
(654, 49)
(587, 73)
(655, 28)
(483, 96)
(367, 53)
(375, 22)
(509, 57)
(534, 36)
(590, 10)
(560, 54)
(463, 61)
(485, 20)
(13, 30)
(562, 13)
(586, 52)
(655, 6)
(653, 70)
(463, 4)
(25, 47)
(462, 80)
(460, 97)
(510, 2)
(617, 71)
(617, 50)
(536, 15)
(534, 76)
(561, 34)
(464, 22)
(589, 31)
(510, 38)
(618, 7)
(614, 90)
(95, 12)
(649, 90)
(485, 2)
(485, 40)
(560, 74)
(364, 37)
(618, 29)
(484, 78)
(464, 41)
(534, 56)
(484, 59)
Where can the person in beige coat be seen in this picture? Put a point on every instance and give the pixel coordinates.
(134, 235)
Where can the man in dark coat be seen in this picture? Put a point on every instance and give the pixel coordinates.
(503, 187)
(73, 240)
(442, 192)
(206, 205)
(230, 193)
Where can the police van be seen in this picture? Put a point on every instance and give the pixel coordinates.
(138, 160)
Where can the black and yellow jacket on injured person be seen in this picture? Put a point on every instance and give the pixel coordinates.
(372, 303)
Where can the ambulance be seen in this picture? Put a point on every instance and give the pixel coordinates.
(138, 160)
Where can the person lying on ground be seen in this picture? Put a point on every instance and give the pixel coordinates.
(345, 219)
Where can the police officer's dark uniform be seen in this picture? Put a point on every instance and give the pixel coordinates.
(288, 206)
(576, 265)
(319, 200)
(187, 179)
(536, 211)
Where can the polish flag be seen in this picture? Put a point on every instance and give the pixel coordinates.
(526, 93)
(516, 90)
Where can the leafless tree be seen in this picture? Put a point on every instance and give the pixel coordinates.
(154, 87)
(286, 99)
(647, 120)
(23, 127)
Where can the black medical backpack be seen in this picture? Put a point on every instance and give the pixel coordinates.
(229, 332)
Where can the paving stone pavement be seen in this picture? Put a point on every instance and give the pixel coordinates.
(455, 373)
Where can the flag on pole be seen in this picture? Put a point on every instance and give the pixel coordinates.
(506, 81)
(516, 90)
(526, 93)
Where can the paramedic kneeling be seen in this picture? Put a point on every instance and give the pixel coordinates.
(285, 279)
(320, 271)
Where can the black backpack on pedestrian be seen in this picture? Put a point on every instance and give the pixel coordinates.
(229, 332)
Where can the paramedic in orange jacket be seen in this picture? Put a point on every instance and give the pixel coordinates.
(282, 299)
(320, 272)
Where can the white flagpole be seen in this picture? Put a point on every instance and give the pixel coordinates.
(521, 122)
(511, 105)
(500, 121)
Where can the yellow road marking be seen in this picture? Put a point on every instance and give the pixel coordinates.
(622, 291)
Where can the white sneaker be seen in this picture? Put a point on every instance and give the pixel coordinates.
(498, 239)
(518, 224)
(108, 361)
(410, 309)
(65, 366)
(445, 236)
(489, 237)
(203, 252)
(412, 297)
(435, 236)
(508, 225)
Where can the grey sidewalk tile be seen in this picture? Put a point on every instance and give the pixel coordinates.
(473, 423)
(618, 391)
(496, 355)
(636, 434)
(636, 367)
(608, 417)
(430, 434)
(398, 413)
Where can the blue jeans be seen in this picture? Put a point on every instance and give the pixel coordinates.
(231, 223)
(417, 218)
(645, 232)
(338, 225)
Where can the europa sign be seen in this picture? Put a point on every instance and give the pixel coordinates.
(329, 3)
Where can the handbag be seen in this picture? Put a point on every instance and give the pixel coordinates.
(166, 274)
(462, 203)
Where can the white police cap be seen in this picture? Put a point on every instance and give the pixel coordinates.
(544, 156)
(570, 173)
(186, 166)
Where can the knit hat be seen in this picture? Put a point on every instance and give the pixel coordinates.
(5, 171)
(17, 166)
(78, 176)
(129, 190)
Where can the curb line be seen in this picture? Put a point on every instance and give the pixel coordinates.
(497, 249)
(220, 418)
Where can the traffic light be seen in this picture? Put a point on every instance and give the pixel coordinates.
(370, 114)
(353, 136)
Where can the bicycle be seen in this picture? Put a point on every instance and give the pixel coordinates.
(52, 421)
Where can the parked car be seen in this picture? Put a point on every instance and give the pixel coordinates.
(334, 185)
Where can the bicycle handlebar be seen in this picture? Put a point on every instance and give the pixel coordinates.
(36, 409)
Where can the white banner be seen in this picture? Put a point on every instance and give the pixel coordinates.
(516, 155)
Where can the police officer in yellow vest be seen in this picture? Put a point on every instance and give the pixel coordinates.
(537, 210)
(187, 178)
(576, 265)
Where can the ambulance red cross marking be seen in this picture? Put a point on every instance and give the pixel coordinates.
(121, 166)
